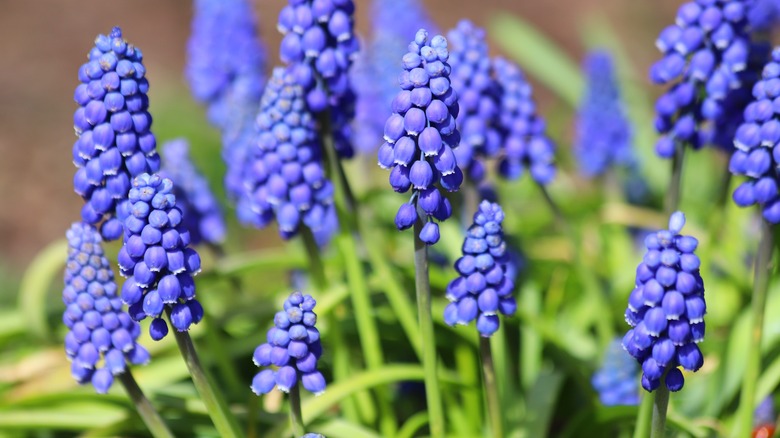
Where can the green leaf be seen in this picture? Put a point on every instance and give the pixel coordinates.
(35, 286)
(541, 402)
(71, 416)
(336, 428)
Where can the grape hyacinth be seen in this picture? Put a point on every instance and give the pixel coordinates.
(420, 136)
(113, 125)
(285, 177)
(526, 144)
(478, 96)
(98, 327)
(319, 46)
(764, 419)
(201, 213)
(757, 155)
(293, 347)
(666, 309)
(156, 259)
(616, 380)
(603, 131)
(764, 15)
(483, 288)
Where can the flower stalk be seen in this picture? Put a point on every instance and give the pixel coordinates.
(660, 405)
(149, 415)
(491, 387)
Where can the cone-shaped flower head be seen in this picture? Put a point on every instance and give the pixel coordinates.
(101, 340)
(758, 154)
(293, 348)
(526, 144)
(375, 71)
(478, 98)
(707, 60)
(113, 127)
(319, 46)
(603, 131)
(483, 289)
(202, 215)
(285, 178)
(420, 136)
(616, 380)
(666, 308)
(156, 258)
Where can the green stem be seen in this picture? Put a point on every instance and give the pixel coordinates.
(217, 408)
(423, 288)
(470, 203)
(316, 268)
(296, 417)
(149, 415)
(660, 404)
(672, 201)
(644, 416)
(747, 403)
(491, 388)
(343, 193)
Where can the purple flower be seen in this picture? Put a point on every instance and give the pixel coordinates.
(156, 258)
(293, 348)
(616, 380)
(101, 337)
(113, 127)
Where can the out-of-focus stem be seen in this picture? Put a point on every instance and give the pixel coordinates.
(644, 416)
(316, 267)
(149, 415)
(672, 201)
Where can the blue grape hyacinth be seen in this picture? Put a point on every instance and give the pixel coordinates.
(156, 259)
(319, 46)
(113, 124)
(526, 144)
(101, 337)
(603, 134)
(666, 308)
(483, 288)
(420, 136)
(616, 380)
(293, 347)
(201, 213)
(479, 98)
(285, 177)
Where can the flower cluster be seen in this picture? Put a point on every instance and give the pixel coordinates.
(666, 309)
(98, 327)
(285, 177)
(603, 131)
(201, 213)
(420, 135)
(319, 46)
(526, 144)
(757, 155)
(483, 288)
(113, 127)
(156, 259)
(293, 346)
(763, 15)
(704, 57)
(615, 381)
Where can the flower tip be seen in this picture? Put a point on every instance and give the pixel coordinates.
(676, 222)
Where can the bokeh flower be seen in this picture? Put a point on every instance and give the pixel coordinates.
(616, 380)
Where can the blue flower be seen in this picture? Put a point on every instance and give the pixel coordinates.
(285, 177)
(483, 288)
(763, 15)
(156, 258)
(113, 127)
(616, 380)
(293, 347)
(420, 136)
(202, 215)
(764, 414)
(603, 131)
(666, 308)
(101, 337)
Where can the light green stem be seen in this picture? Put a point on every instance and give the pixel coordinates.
(149, 415)
(296, 417)
(660, 404)
(672, 200)
(316, 268)
(491, 388)
(644, 416)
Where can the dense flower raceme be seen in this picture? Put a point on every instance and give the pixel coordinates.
(293, 347)
(201, 213)
(113, 127)
(666, 308)
(603, 131)
(98, 327)
(478, 96)
(285, 176)
(156, 259)
(483, 289)
(420, 135)
(616, 380)
(375, 71)
(757, 154)
(526, 144)
(707, 59)
(319, 46)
